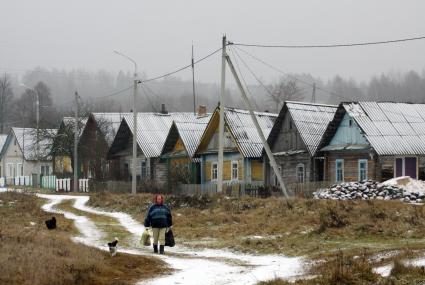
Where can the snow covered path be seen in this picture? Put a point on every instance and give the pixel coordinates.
(214, 267)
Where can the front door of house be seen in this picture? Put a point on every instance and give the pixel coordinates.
(406, 166)
(410, 167)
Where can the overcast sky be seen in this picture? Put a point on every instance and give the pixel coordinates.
(158, 35)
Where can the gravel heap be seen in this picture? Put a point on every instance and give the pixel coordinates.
(368, 190)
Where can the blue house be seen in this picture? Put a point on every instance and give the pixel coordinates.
(375, 140)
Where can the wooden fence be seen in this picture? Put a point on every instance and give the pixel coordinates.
(306, 189)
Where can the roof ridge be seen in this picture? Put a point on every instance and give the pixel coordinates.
(312, 104)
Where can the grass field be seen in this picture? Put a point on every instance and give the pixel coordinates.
(31, 254)
(341, 236)
(292, 227)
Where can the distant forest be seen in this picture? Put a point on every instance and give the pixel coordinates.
(100, 92)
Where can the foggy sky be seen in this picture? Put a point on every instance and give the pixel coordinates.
(158, 35)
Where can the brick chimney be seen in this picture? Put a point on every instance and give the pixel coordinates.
(163, 110)
(202, 110)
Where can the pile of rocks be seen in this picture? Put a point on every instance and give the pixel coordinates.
(368, 190)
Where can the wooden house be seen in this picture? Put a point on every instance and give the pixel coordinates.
(294, 141)
(243, 162)
(20, 156)
(63, 146)
(179, 149)
(152, 131)
(94, 143)
(375, 140)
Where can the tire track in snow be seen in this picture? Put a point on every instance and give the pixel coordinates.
(206, 266)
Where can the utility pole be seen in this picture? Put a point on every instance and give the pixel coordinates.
(134, 164)
(37, 116)
(193, 83)
(313, 95)
(221, 121)
(257, 126)
(134, 174)
(76, 137)
(37, 119)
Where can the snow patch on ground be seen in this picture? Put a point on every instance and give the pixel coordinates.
(210, 266)
(385, 270)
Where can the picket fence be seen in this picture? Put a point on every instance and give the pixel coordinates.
(63, 184)
(83, 185)
(23, 181)
(48, 182)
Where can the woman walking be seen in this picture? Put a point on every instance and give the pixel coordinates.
(159, 218)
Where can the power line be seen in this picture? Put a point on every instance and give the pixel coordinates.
(254, 75)
(291, 76)
(113, 94)
(332, 45)
(181, 68)
(243, 79)
(145, 89)
(324, 90)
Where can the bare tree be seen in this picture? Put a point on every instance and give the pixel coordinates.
(285, 90)
(6, 97)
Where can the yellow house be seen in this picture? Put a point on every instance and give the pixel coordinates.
(243, 162)
(179, 149)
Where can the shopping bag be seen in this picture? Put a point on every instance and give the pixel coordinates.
(169, 238)
(146, 238)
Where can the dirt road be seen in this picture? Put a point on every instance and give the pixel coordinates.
(213, 267)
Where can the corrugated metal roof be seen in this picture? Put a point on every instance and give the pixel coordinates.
(191, 130)
(153, 128)
(112, 122)
(391, 128)
(27, 141)
(69, 122)
(243, 129)
(311, 121)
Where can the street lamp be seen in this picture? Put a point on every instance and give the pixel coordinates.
(136, 81)
(37, 116)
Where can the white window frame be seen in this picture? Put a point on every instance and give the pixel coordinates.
(214, 171)
(366, 169)
(403, 165)
(144, 169)
(342, 170)
(19, 169)
(9, 170)
(234, 162)
(300, 165)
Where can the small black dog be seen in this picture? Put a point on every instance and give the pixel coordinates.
(113, 247)
(51, 224)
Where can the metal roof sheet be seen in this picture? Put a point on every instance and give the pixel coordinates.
(69, 122)
(191, 130)
(391, 128)
(243, 129)
(27, 141)
(110, 123)
(311, 121)
(153, 128)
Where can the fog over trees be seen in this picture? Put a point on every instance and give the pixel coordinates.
(100, 92)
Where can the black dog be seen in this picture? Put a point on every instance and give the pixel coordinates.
(51, 224)
(113, 247)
